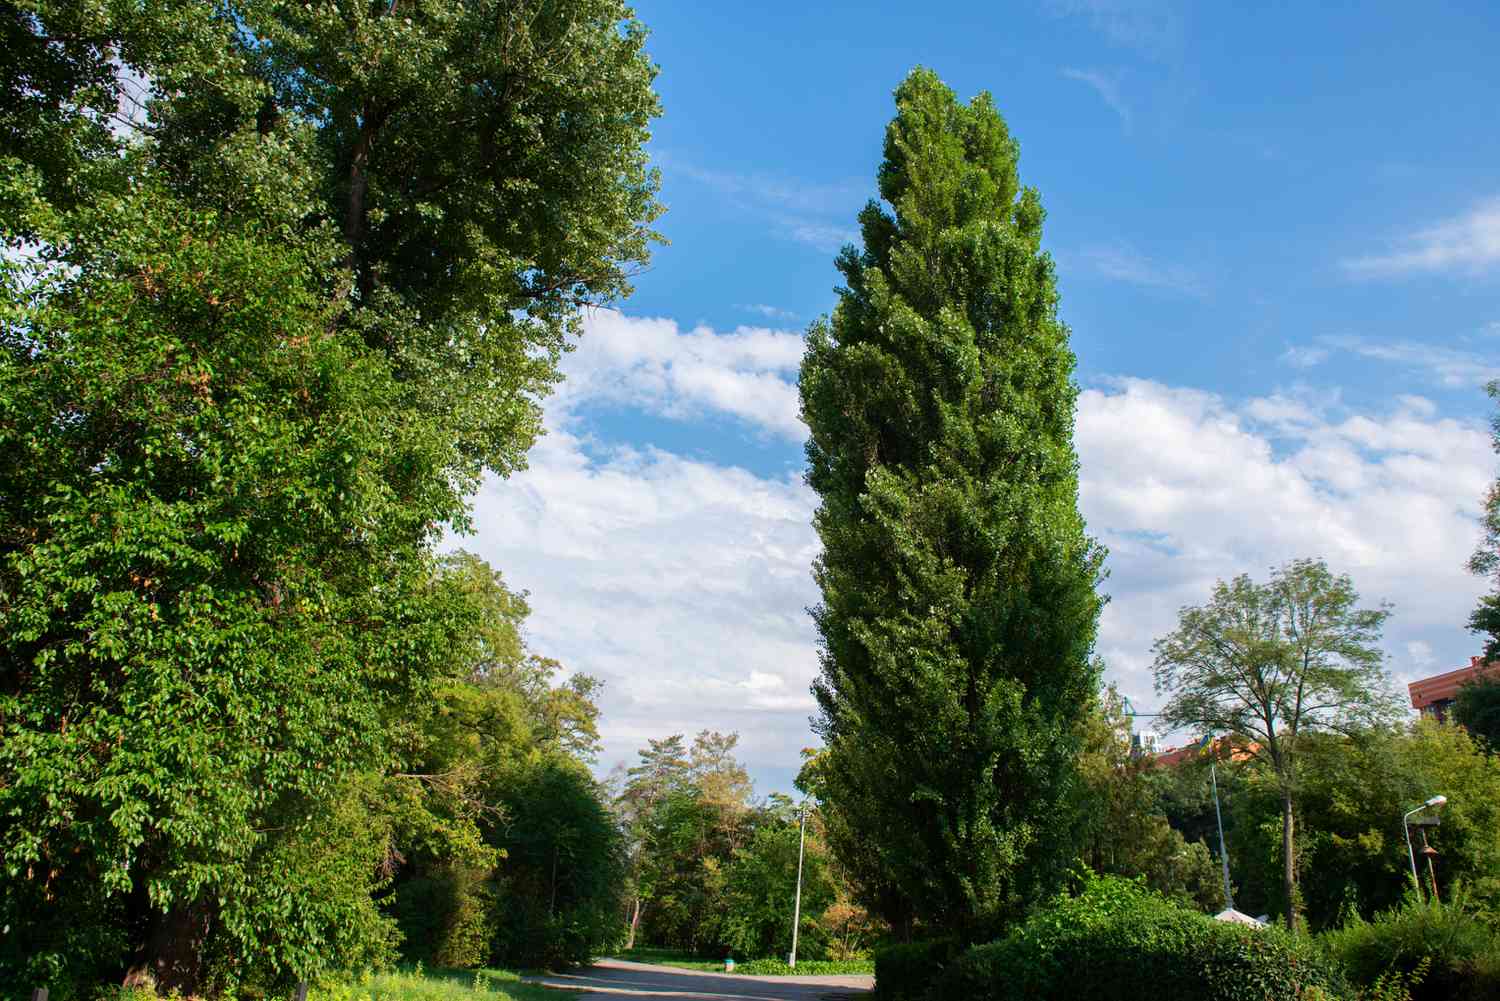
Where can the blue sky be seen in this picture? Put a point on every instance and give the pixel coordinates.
(1278, 237)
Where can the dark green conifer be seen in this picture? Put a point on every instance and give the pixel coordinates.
(959, 587)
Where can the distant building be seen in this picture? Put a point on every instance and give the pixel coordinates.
(1224, 749)
(1143, 742)
(1433, 696)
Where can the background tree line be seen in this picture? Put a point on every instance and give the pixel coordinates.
(713, 872)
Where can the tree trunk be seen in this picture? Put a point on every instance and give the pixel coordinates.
(635, 922)
(170, 959)
(1288, 862)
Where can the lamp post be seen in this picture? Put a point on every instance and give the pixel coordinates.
(1406, 829)
(797, 906)
(1223, 853)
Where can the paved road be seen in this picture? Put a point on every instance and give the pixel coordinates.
(615, 978)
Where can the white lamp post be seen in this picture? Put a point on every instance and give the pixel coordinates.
(797, 906)
(1406, 829)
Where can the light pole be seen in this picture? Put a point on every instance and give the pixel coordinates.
(797, 905)
(1213, 777)
(1406, 829)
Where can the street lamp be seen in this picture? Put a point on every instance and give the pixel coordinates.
(797, 907)
(1406, 829)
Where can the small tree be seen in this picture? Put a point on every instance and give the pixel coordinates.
(1269, 663)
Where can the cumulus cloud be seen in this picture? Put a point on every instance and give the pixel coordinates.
(684, 583)
(657, 367)
(1469, 242)
(1185, 488)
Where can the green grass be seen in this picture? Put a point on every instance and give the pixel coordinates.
(441, 985)
(670, 957)
(754, 967)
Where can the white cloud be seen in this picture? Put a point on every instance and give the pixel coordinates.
(654, 366)
(1122, 262)
(1470, 242)
(769, 312)
(1108, 89)
(1186, 488)
(684, 583)
(1449, 366)
(1303, 356)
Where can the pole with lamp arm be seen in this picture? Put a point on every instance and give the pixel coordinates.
(1411, 856)
(797, 905)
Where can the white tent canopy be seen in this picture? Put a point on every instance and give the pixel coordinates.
(1238, 917)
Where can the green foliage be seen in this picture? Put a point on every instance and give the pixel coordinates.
(958, 605)
(761, 883)
(908, 971)
(1445, 953)
(1354, 790)
(1269, 664)
(1126, 832)
(257, 345)
(1486, 559)
(1117, 940)
(445, 918)
(1477, 708)
(558, 899)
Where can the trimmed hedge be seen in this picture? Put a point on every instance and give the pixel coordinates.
(1117, 941)
(1462, 953)
(907, 971)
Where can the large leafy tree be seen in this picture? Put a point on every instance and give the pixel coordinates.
(959, 602)
(1271, 663)
(261, 333)
(1486, 559)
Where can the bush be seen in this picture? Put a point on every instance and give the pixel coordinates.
(906, 971)
(1462, 952)
(1117, 941)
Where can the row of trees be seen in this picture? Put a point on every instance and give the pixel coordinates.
(280, 284)
(713, 872)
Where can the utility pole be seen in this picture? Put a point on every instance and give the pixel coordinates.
(797, 904)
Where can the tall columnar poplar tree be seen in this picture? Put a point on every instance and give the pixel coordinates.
(959, 587)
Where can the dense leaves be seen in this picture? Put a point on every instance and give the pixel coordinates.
(1269, 664)
(958, 605)
(280, 283)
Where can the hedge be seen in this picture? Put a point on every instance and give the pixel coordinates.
(1461, 952)
(1117, 941)
(907, 971)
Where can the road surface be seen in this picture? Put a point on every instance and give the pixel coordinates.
(613, 979)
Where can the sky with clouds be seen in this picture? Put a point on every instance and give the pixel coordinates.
(1278, 242)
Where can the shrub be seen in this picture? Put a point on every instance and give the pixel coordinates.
(1462, 952)
(906, 971)
(1117, 940)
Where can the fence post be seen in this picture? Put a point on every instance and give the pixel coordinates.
(40, 994)
(301, 994)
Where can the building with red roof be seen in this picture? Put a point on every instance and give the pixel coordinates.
(1434, 696)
